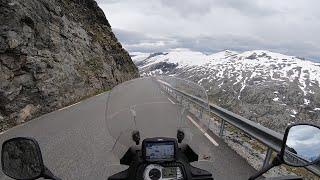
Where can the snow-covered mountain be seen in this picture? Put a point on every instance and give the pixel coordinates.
(270, 88)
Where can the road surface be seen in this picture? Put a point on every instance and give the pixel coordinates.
(76, 144)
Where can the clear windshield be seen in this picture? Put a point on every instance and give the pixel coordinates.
(155, 107)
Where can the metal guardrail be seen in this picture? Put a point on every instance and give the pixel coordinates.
(268, 137)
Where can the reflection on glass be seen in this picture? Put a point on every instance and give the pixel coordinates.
(303, 145)
(21, 159)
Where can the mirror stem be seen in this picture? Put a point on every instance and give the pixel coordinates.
(275, 162)
(47, 174)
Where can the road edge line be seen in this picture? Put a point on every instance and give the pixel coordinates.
(204, 132)
(171, 101)
(38, 118)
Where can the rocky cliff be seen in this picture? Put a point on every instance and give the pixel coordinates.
(54, 53)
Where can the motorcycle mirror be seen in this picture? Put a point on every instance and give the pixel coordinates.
(301, 145)
(300, 148)
(180, 135)
(136, 137)
(21, 158)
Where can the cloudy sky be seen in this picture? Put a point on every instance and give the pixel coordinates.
(305, 140)
(287, 26)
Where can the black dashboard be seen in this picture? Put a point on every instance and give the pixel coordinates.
(160, 155)
(160, 159)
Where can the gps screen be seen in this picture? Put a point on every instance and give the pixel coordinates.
(160, 151)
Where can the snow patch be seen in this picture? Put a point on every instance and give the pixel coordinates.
(306, 101)
(139, 56)
(242, 88)
(294, 111)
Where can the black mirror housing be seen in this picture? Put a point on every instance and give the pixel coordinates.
(21, 158)
(296, 148)
(293, 135)
(136, 137)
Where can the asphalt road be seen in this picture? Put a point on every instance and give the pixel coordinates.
(75, 141)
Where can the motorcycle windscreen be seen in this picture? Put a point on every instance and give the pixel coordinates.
(148, 106)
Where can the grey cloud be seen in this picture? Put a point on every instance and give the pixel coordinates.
(139, 42)
(131, 37)
(245, 7)
(248, 7)
(188, 7)
(194, 7)
(286, 26)
(135, 41)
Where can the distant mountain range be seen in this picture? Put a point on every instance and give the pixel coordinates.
(270, 88)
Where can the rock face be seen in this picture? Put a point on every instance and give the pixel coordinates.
(53, 53)
(270, 88)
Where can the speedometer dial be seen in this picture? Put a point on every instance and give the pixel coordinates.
(155, 174)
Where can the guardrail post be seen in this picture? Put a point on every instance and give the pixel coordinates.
(188, 105)
(200, 113)
(267, 158)
(221, 128)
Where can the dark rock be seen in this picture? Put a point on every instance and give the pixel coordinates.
(53, 53)
(164, 66)
(252, 56)
(156, 54)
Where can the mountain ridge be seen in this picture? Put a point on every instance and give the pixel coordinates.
(270, 88)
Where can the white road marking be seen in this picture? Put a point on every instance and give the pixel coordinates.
(100, 94)
(33, 120)
(68, 106)
(164, 82)
(19, 125)
(203, 131)
(171, 101)
(38, 118)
